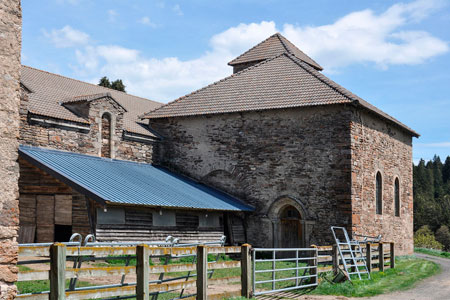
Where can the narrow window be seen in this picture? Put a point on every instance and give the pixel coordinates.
(106, 135)
(397, 197)
(379, 194)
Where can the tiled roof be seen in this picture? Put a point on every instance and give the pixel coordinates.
(48, 90)
(125, 182)
(273, 46)
(283, 81)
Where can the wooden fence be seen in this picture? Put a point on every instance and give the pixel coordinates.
(59, 272)
(378, 256)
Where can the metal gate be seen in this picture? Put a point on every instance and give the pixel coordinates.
(283, 269)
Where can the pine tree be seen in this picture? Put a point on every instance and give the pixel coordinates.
(446, 171)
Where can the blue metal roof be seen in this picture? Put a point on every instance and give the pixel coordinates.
(125, 182)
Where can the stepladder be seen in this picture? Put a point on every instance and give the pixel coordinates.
(351, 254)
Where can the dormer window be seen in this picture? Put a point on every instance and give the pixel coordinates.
(106, 135)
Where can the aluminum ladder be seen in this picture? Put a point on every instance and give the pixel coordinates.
(357, 259)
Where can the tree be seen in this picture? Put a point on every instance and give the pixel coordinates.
(118, 85)
(115, 85)
(104, 81)
(443, 237)
(446, 170)
(424, 238)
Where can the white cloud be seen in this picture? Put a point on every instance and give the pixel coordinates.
(364, 36)
(359, 37)
(112, 15)
(146, 21)
(433, 145)
(67, 37)
(177, 9)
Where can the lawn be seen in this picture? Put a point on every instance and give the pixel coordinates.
(407, 272)
(432, 252)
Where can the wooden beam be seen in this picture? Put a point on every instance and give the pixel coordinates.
(202, 272)
(369, 257)
(392, 255)
(142, 272)
(57, 271)
(246, 271)
(381, 257)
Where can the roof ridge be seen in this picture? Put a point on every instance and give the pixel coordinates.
(275, 34)
(346, 93)
(212, 84)
(109, 89)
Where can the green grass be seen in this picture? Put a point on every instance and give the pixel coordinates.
(407, 272)
(36, 286)
(433, 252)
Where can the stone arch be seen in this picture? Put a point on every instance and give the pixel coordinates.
(276, 215)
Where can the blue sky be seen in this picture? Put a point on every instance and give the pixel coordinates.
(393, 54)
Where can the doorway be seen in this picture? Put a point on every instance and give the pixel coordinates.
(290, 227)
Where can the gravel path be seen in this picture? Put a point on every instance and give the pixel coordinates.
(434, 288)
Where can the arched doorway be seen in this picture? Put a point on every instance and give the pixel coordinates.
(290, 227)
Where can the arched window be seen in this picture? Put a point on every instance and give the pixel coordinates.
(106, 135)
(397, 197)
(379, 194)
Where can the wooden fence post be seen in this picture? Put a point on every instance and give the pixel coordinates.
(369, 257)
(202, 271)
(57, 271)
(352, 250)
(313, 263)
(142, 272)
(392, 255)
(246, 271)
(381, 257)
(335, 259)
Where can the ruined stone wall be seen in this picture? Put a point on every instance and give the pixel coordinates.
(265, 157)
(86, 139)
(378, 146)
(10, 45)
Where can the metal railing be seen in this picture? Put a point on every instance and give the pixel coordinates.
(298, 269)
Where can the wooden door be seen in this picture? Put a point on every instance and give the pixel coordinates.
(291, 228)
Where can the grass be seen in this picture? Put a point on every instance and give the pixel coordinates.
(433, 252)
(36, 286)
(407, 272)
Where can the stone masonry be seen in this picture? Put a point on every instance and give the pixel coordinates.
(322, 160)
(10, 45)
(299, 156)
(378, 146)
(86, 139)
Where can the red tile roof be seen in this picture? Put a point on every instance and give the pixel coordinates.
(49, 91)
(273, 46)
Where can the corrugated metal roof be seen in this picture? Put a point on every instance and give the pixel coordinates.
(125, 182)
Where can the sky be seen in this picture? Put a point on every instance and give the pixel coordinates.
(394, 54)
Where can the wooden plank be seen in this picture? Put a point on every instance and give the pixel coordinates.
(120, 250)
(63, 209)
(246, 271)
(392, 255)
(142, 272)
(224, 265)
(27, 234)
(325, 248)
(202, 273)
(325, 258)
(45, 214)
(33, 275)
(324, 269)
(227, 249)
(45, 233)
(34, 251)
(369, 257)
(335, 259)
(57, 272)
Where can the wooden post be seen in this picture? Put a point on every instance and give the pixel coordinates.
(381, 257)
(142, 272)
(246, 271)
(57, 271)
(335, 259)
(369, 257)
(313, 263)
(392, 255)
(202, 271)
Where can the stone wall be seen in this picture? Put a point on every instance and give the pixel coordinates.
(378, 146)
(83, 138)
(10, 45)
(268, 159)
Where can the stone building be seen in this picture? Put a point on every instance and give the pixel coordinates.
(113, 195)
(272, 155)
(10, 45)
(302, 150)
